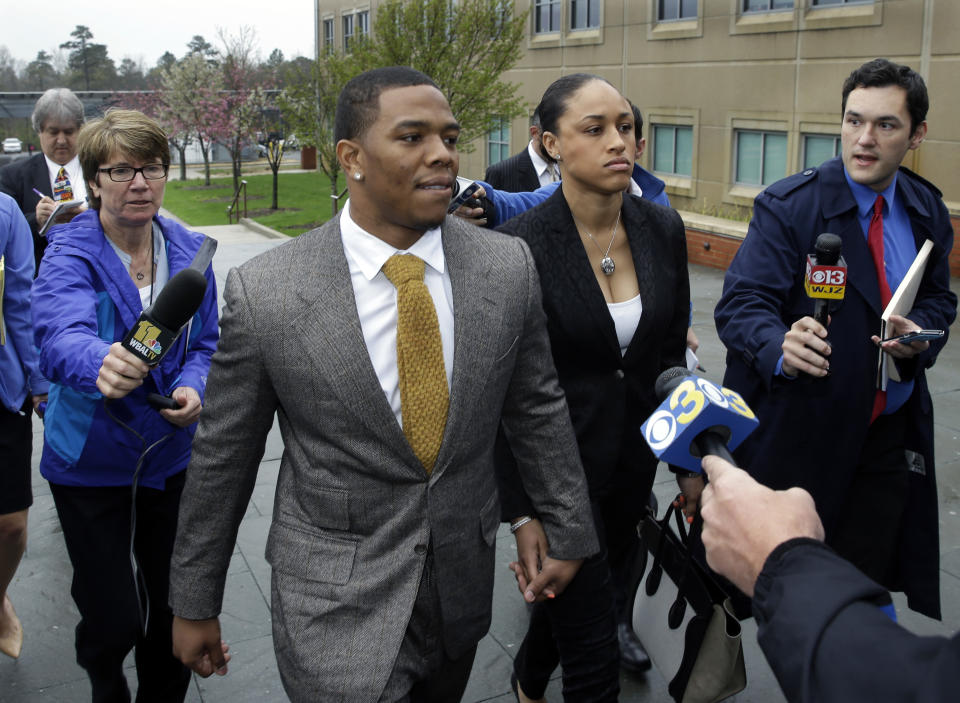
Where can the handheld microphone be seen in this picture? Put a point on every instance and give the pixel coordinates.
(159, 325)
(696, 417)
(826, 275)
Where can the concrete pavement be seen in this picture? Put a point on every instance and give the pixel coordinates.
(46, 671)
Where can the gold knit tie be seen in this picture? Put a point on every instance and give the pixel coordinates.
(424, 396)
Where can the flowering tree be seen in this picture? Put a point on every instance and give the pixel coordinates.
(152, 103)
(193, 102)
(243, 96)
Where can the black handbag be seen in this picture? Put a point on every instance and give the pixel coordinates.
(683, 618)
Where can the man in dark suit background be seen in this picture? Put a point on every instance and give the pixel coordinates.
(526, 170)
(382, 558)
(866, 457)
(55, 171)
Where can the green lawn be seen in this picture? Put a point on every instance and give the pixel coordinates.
(303, 200)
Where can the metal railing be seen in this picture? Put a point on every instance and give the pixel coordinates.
(335, 205)
(233, 205)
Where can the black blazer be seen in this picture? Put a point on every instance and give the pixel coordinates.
(18, 179)
(609, 395)
(515, 174)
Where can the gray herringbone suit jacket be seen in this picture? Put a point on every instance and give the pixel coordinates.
(354, 509)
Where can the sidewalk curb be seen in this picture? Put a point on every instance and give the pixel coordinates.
(262, 229)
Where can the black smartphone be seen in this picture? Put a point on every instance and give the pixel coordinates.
(916, 336)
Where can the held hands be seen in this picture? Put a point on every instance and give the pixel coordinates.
(895, 327)
(120, 372)
(190, 407)
(197, 644)
(692, 488)
(805, 349)
(743, 521)
(540, 577)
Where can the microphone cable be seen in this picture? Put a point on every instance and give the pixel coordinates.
(139, 580)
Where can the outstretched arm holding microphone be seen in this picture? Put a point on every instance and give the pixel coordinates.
(823, 625)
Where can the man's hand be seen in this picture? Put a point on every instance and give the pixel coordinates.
(531, 552)
(743, 521)
(190, 407)
(39, 404)
(805, 349)
(895, 327)
(198, 645)
(120, 372)
(46, 206)
(473, 214)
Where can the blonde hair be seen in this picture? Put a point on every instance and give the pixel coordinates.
(127, 132)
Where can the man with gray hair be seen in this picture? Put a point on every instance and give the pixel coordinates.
(54, 174)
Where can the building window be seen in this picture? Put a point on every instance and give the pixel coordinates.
(328, 35)
(363, 23)
(546, 16)
(761, 157)
(347, 31)
(822, 3)
(498, 142)
(766, 5)
(818, 148)
(673, 149)
(584, 14)
(677, 10)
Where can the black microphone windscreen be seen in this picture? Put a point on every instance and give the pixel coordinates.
(827, 249)
(668, 380)
(180, 299)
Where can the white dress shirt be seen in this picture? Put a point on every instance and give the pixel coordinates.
(74, 173)
(376, 298)
(542, 166)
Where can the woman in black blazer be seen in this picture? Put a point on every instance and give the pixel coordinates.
(613, 270)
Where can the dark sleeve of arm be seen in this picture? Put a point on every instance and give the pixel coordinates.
(826, 639)
(238, 413)
(756, 288)
(536, 423)
(10, 184)
(674, 342)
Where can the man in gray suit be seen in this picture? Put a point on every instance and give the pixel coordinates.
(382, 562)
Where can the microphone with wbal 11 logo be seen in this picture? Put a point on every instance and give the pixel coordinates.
(155, 333)
(696, 417)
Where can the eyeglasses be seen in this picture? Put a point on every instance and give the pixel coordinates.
(122, 174)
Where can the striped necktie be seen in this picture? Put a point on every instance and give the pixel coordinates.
(62, 190)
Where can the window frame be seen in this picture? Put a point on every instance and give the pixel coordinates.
(503, 145)
(748, 11)
(348, 21)
(804, 136)
(654, 128)
(548, 5)
(593, 8)
(763, 150)
(329, 41)
(680, 16)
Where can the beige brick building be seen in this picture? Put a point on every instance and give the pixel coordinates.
(735, 93)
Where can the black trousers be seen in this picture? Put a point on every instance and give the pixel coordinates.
(868, 533)
(96, 527)
(578, 629)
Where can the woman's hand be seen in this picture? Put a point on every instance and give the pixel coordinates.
(190, 407)
(691, 487)
(120, 372)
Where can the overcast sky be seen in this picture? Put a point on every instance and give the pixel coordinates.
(146, 30)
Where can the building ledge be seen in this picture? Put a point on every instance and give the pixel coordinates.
(713, 225)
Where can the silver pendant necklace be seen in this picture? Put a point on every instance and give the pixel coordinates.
(606, 263)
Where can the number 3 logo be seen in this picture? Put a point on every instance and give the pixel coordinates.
(738, 403)
(690, 398)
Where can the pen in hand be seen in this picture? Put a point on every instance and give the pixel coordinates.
(38, 192)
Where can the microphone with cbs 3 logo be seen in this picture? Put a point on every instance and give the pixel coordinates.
(696, 417)
(826, 275)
